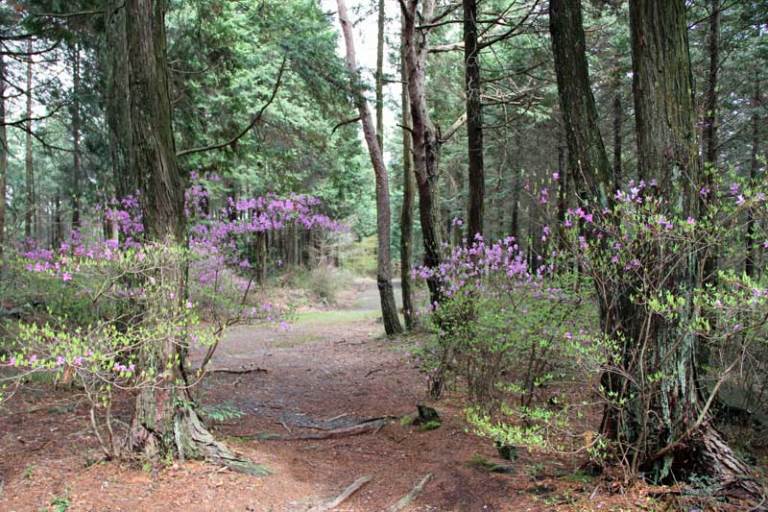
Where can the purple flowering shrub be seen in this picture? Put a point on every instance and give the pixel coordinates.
(109, 303)
(512, 337)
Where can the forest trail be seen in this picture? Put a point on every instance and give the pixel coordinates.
(332, 369)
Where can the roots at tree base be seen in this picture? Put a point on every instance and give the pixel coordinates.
(165, 424)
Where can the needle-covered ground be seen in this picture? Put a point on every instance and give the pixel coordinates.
(332, 370)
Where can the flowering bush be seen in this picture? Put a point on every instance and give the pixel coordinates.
(117, 300)
(513, 337)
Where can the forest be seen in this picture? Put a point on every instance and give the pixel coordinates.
(383, 255)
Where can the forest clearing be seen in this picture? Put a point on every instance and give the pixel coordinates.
(383, 255)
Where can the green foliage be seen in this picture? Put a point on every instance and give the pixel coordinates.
(221, 413)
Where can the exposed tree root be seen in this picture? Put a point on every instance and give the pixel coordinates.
(408, 498)
(341, 498)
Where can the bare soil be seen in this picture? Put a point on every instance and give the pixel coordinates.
(332, 369)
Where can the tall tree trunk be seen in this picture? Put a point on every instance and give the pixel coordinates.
(426, 146)
(406, 214)
(474, 122)
(380, 76)
(587, 160)
(618, 123)
(514, 226)
(751, 259)
(670, 439)
(384, 265)
(3, 161)
(76, 166)
(117, 100)
(30, 208)
(710, 96)
(165, 421)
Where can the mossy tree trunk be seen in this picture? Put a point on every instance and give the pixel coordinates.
(165, 422)
(669, 427)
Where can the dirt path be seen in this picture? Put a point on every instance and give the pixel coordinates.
(330, 369)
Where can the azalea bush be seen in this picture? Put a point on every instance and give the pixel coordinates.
(515, 339)
(109, 304)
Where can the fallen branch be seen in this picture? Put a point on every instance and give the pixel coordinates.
(238, 371)
(375, 424)
(341, 498)
(408, 498)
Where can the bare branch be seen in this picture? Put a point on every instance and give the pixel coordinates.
(245, 130)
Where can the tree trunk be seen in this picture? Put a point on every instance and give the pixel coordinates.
(76, 170)
(751, 259)
(618, 123)
(117, 100)
(406, 214)
(30, 210)
(710, 96)
(587, 160)
(3, 161)
(474, 122)
(666, 428)
(384, 265)
(425, 142)
(165, 421)
(380, 76)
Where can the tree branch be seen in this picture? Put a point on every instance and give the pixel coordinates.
(245, 130)
(345, 122)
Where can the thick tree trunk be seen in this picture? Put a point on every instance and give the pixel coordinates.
(426, 146)
(117, 100)
(76, 166)
(587, 160)
(474, 122)
(406, 214)
(30, 208)
(669, 429)
(383, 219)
(165, 421)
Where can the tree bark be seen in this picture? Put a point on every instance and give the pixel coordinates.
(380, 76)
(406, 214)
(117, 100)
(670, 438)
(474, 122)
(618, 123)
(3, 161)
(76, 166)
(751, 259)
(30, 209)
(587, 160)
(165, 422)
(710, 97)
(383, 219)
(426, 146)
